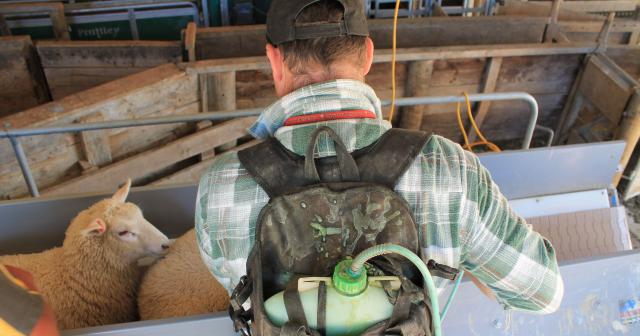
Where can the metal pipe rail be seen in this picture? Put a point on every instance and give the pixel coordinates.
(14, 134)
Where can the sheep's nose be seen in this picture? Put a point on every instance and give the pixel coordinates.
(165, 246)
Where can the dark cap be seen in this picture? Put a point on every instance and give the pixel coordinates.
(282, 16)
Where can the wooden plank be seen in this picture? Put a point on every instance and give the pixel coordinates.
(193, 173)
(418, 81)
(629, 132)
(411, 54)
(491, 79)
(95, 143)
(92, 54)
(139, 165)
(605, 89)
(78, 105)
(541, 9)
(242, 41)
(601, 6)
(129, 141)
(190, 41)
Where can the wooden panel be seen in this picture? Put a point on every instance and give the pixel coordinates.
(22, 84)
(605, 89)
(223, 42)
(141, 164)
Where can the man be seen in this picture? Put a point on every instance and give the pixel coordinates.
(320, 52)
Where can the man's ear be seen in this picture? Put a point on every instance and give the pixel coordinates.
(96, 227)
(368, 58)
(277, 62)
(122, 193)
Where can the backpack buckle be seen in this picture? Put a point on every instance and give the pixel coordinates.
(238, 314)
(442, 271)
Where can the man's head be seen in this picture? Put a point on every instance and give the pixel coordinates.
(312, 41)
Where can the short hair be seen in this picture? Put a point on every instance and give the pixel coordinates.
(322, 50)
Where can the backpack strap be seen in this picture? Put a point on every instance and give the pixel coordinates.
(278, 170)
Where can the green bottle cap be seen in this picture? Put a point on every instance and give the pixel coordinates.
(347, 283)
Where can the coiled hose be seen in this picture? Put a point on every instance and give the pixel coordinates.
(357, 267)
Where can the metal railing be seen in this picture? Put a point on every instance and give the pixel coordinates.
(14, 134)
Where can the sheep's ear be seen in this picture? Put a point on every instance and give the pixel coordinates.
(97, 227)
(123, 192)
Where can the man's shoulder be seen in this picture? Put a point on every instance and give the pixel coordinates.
(225, 169)
(439, 146)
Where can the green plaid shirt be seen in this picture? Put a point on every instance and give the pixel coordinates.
(463, 220)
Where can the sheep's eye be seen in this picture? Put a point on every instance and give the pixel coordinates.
(123, 233)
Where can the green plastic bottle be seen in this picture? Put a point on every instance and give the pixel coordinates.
(353, 304)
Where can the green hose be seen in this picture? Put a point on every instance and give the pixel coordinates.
(378, 250)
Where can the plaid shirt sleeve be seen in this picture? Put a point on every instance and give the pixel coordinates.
(503, 252)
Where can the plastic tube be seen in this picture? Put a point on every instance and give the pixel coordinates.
(445, 309)
(378, 250)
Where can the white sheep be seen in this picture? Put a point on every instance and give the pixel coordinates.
(180, 284)
(93, 278)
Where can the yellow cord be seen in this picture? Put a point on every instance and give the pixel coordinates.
(483, 141)
(393, 61)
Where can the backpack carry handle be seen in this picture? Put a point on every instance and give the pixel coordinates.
(348, 166)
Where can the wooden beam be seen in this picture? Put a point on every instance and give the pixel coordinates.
(630, 133)
(142, 164)
(411, 54)
(190, 41)
(418, 82)
(95, 144)
(489, 85)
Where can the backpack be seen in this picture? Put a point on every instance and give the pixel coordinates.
(318, 217)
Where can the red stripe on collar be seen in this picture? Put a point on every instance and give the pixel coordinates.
(326, 116)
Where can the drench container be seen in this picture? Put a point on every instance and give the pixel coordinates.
(346, 315)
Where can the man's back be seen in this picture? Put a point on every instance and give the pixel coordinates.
(462, 219)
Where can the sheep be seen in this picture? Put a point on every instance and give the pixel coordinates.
(93, 278)
(180, 284)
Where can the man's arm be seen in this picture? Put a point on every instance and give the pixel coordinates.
(503, 252)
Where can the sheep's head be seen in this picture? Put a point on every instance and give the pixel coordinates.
(119, 228)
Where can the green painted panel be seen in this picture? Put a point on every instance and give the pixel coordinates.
(167, 28)
(162, 28)
(113, 30)
(36, 33)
